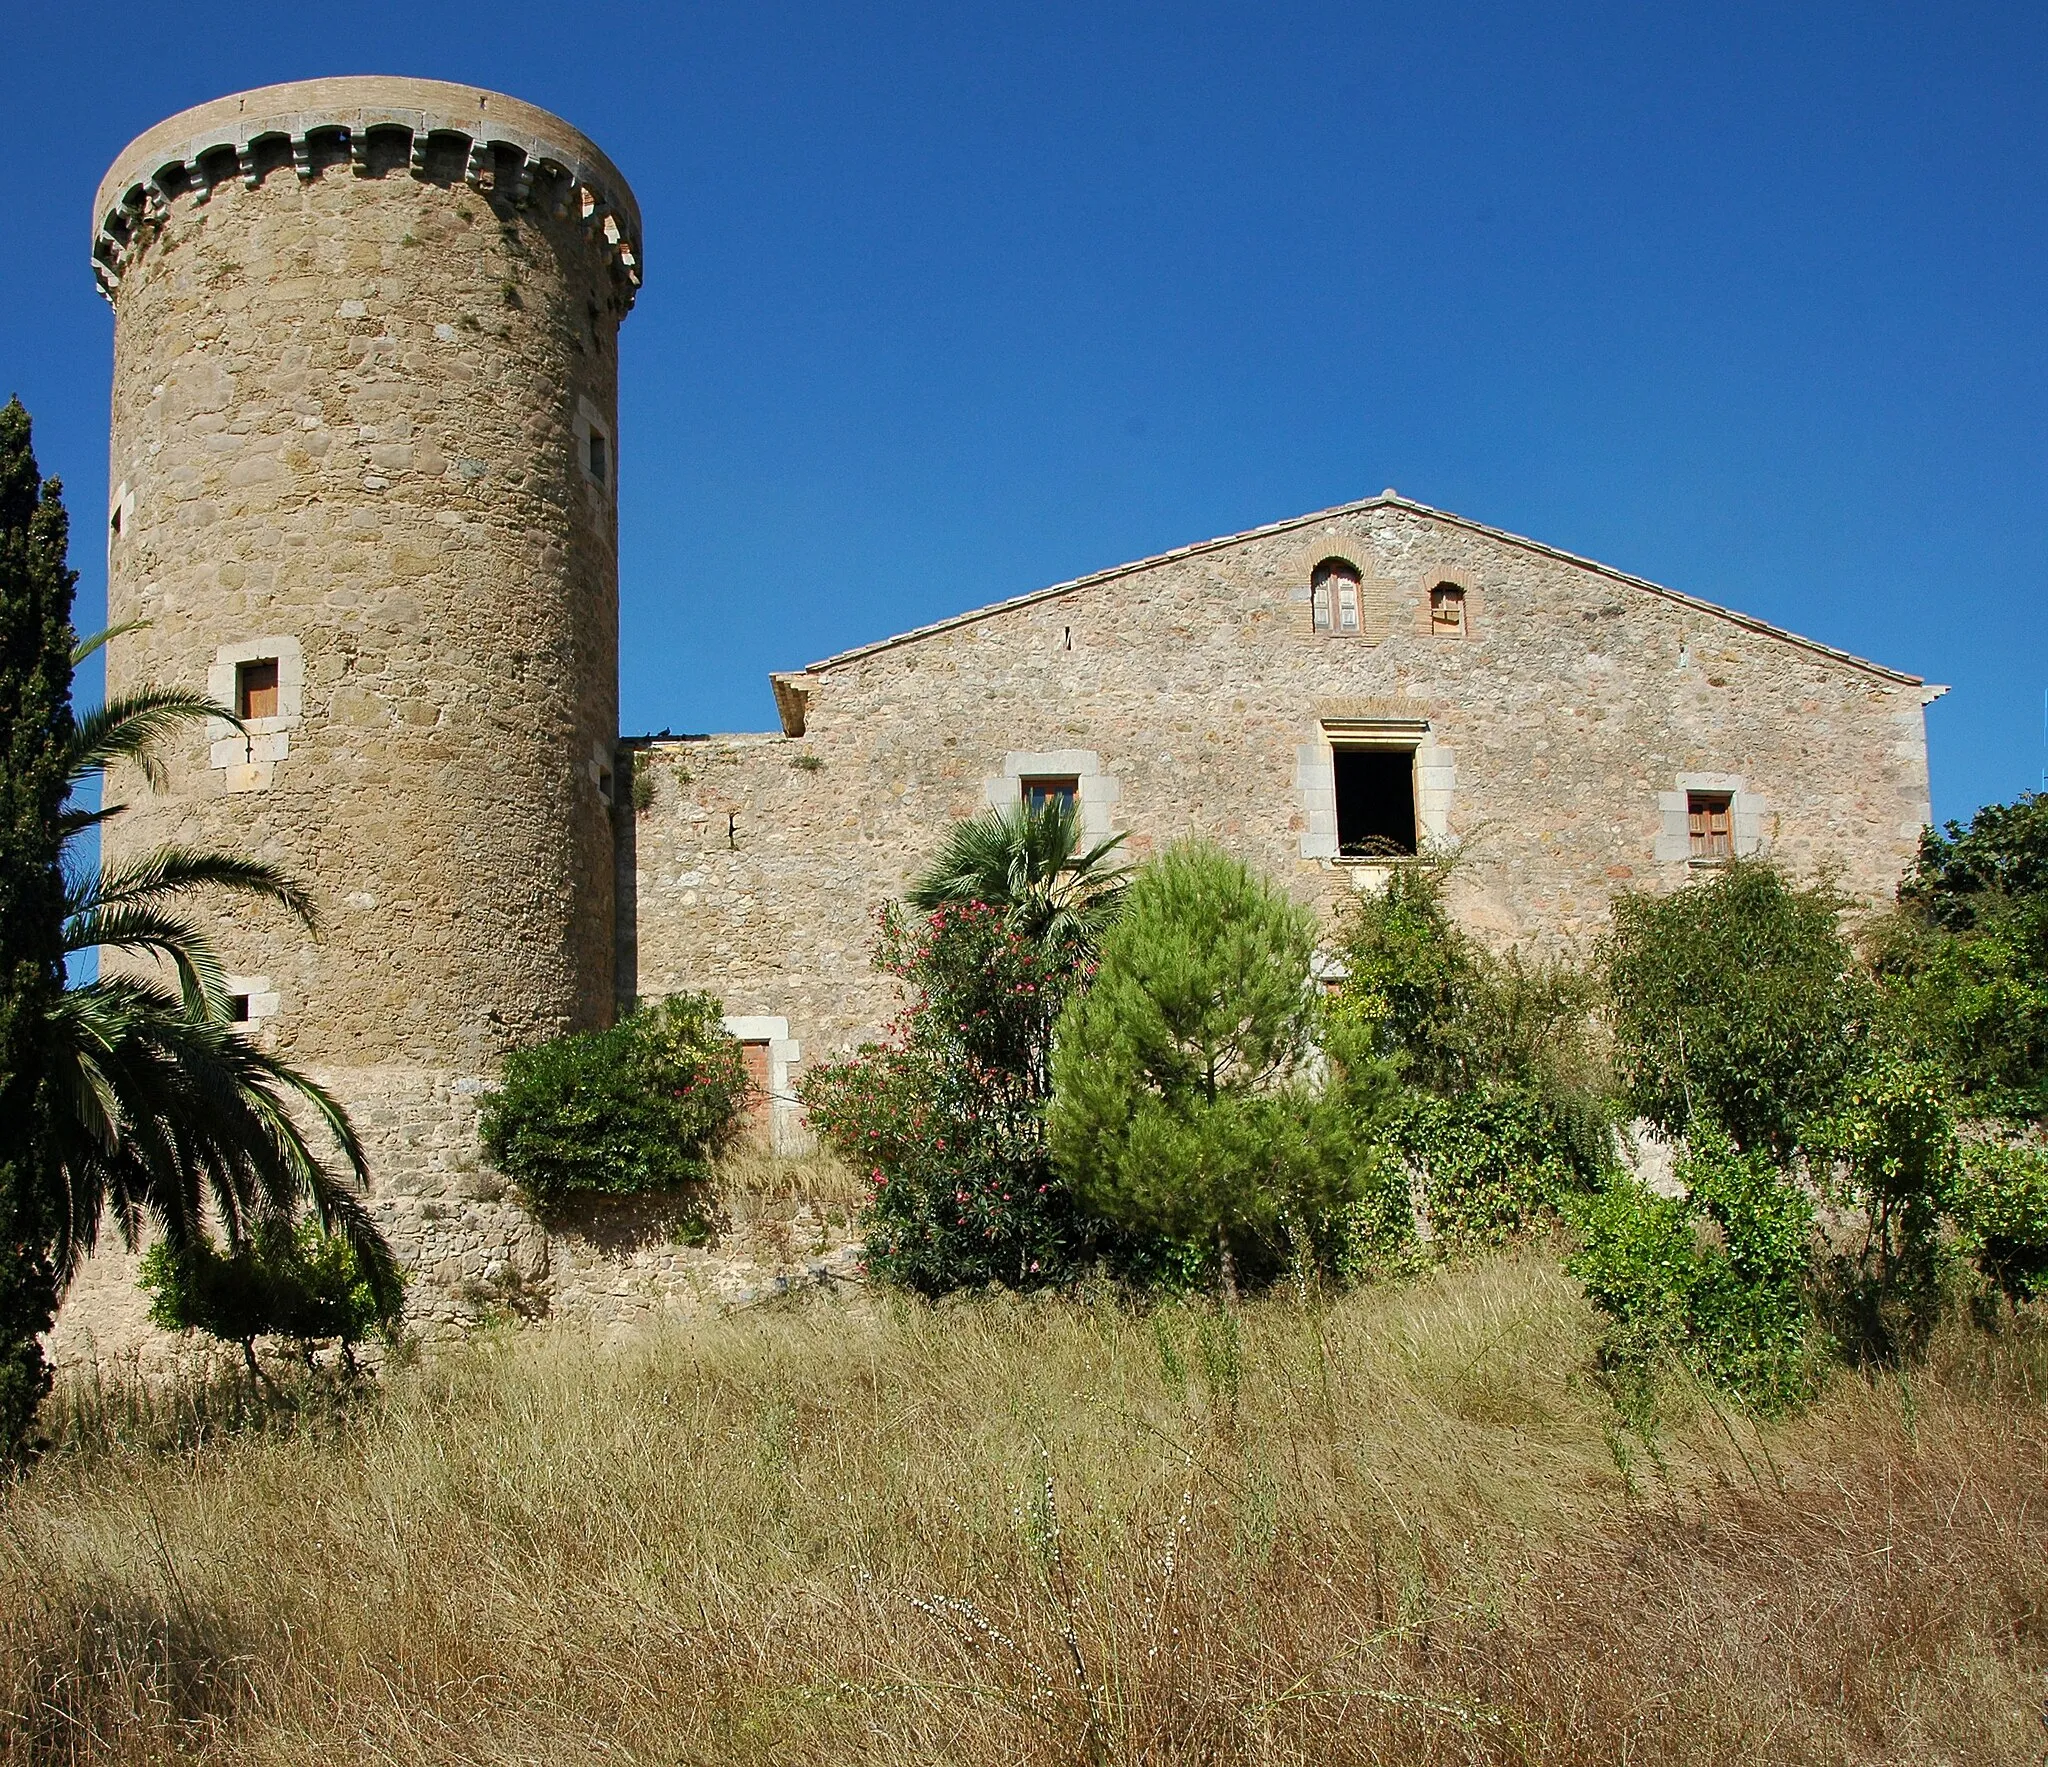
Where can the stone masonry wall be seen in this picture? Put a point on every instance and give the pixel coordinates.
(362, 345)
(1560, 728)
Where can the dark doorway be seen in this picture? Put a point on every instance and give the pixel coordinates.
(1375, 802)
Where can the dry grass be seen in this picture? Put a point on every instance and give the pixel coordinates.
(1401, 1529)
(752, 1173)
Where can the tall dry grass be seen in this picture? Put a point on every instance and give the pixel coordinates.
(1402, 1529)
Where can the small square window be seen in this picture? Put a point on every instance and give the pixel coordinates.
(238, 1008)
(1038, 793)
(1710, 825)
(256, 689)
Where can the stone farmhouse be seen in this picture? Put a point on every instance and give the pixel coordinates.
(1318, 695)
(365, 459)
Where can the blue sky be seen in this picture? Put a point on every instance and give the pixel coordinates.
(948, 302)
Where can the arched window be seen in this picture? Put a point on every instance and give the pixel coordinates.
(1447, 611)
(1333, 596)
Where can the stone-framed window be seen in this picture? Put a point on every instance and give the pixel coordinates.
(251, 1000)
(1038, 791)
(1708, 819)
(121, 516)
(1373, 789)
(262, 680)
(1095, 792)
(1336, 599)
(771, 1052)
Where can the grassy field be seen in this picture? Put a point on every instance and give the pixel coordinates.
(1401, 1528)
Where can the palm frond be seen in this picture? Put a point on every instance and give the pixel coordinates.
(171, 870)
(102, 638)
(143, 928)
(130, 727)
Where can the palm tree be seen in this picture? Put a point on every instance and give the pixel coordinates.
(162, 1109)
(1028, 860)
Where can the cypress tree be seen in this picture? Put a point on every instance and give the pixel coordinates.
(35, 722)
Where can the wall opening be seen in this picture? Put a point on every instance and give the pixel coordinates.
(1375, 802)
(600, 463)
(1710, 825)
(256, 688)
(1333, 597)
(1038, 793)
(1447, 611)
(238, 1008)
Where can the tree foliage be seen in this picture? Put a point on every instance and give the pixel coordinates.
(1184, 1100)
(1717, 1278)
(1505, 1108)
(161, 1109)
(284, 1280)
(1029, 862)
(644, 1106)
(1734, 1002)
(35, 714)
(1964, 961)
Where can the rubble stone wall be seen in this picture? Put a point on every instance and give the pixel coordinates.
(1555, 730)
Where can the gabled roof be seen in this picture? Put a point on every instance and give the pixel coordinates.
(1386, 500)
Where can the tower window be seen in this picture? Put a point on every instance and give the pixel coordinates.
(600, 464)
(1710, 825)
(1447, 611)
(256, 689)
(1333, 597)
(1375, 802)
(1038, 793)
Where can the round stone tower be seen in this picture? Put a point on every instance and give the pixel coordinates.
(364, 474)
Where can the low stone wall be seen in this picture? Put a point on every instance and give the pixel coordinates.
(613, 1269)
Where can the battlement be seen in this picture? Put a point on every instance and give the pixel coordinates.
(372, 126)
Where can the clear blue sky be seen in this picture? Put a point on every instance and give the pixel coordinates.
(948, 302)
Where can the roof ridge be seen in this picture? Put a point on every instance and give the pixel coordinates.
(1386, 499)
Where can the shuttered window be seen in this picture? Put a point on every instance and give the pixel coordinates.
(1710, 821)
(256, 689)
(1333, 598)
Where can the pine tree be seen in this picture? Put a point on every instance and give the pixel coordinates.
(35, 725)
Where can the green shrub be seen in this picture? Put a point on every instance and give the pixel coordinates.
(946, 1116)
(2000, 1202)
(1735, 1000)
(295, 1283)
(1888, 1148)
(1183, 1101)
(644, 1106)
(1964, 961)
(1494, 1159)
(1716, 1278)
(1506, 1107)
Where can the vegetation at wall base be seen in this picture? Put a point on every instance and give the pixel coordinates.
(645, 1106)
(283, 1280)
(945, 1117)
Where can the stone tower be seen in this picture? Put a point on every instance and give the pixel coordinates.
(364, 477)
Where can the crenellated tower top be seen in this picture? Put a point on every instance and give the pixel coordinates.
(372, 126)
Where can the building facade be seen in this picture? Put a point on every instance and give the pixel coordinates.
(1316, 696)
(364, 459)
